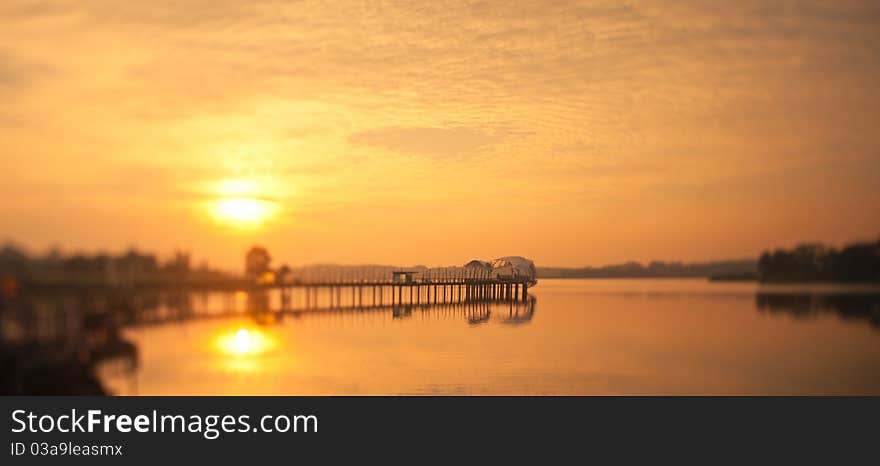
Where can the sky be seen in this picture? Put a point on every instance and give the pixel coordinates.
(573, 133)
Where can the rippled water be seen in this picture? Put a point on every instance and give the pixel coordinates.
(580, 337)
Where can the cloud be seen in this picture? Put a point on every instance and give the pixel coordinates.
(458, 141)
(16, 73)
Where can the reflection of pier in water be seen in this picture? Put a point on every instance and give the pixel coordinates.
(70, 316)
(473, 312)
(261, 308)
(49, 330)
(400, 296)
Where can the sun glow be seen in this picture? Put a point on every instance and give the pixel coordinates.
(243, 211)
(242, 203)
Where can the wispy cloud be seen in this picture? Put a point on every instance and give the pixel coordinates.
(17, 73)
(426, 141)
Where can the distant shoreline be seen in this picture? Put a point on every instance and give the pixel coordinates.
(691, 277)
(745, 277)
(656, 269)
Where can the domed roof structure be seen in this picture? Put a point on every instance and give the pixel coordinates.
(478, 264)
(515, 267)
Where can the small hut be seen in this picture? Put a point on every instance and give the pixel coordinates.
(478, 268)
(402, 276)
(515, 267)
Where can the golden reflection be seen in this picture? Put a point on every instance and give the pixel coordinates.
(245, 342)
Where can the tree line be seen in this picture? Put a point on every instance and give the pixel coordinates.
(655, 269)
(858, 262)
(130, 267)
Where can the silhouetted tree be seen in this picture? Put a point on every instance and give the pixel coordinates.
(814, 262)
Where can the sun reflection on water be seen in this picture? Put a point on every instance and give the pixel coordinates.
(245, 342)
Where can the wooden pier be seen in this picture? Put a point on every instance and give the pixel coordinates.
(392, 293)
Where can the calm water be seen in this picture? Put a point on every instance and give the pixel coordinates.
(581, 337)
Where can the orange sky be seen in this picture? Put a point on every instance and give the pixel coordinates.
(434, 132)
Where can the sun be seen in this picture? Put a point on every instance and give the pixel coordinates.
(242, 211)
(242, 204)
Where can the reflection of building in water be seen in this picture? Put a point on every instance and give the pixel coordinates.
(851, 306)
(474, 313)
(520, 313)
(400, 311)
(258, 301)
(478, 314)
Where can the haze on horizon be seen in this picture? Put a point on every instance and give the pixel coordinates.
(577, 133)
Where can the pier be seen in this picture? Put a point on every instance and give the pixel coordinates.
(398, 292)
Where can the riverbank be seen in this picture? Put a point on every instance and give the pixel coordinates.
(46, 370)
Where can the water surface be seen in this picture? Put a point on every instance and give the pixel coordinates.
(603, 337)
